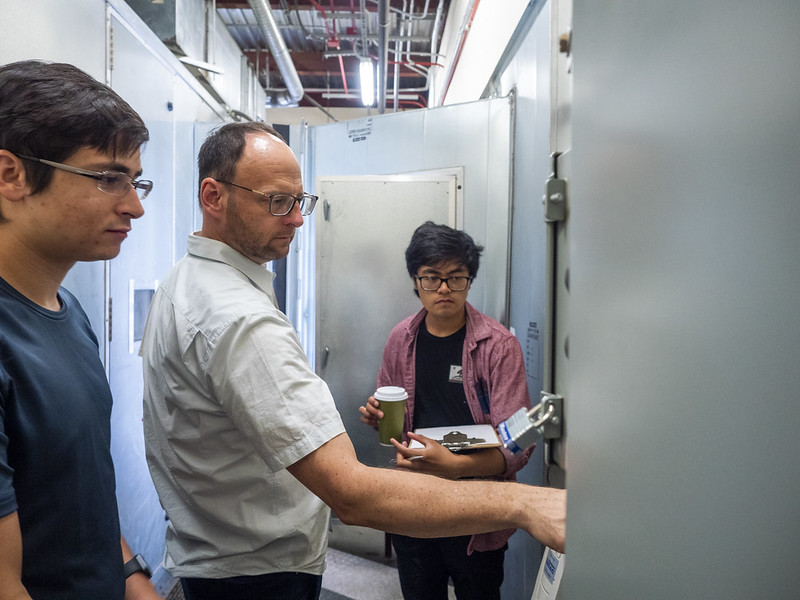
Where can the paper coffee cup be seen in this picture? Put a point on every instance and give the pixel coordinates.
(392, 401)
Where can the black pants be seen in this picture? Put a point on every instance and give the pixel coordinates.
(425, 565)
(274, 586)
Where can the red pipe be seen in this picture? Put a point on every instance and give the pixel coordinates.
(344, 77)
(322, 12)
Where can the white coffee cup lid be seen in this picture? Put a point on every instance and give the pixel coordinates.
(390, 392)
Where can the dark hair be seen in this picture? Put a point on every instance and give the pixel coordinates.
(51, 110)
(433, 244)
(223, 148)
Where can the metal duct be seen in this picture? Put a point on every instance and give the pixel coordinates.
(294, 88)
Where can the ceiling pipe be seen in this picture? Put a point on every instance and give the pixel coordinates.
(398, 52)
(383, 52)
(396, 87)
(322, 108)
(437, 23)
(277, 46)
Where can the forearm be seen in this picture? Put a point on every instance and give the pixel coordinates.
(11, 587)
(434, 459)
(138, 586)
(427, 506)
(482, 463)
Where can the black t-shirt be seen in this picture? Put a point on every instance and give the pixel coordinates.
(55, 457)
(439, 398)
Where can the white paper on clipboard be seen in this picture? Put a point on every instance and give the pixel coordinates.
(460, 437)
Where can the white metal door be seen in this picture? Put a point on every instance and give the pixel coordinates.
(363, 226)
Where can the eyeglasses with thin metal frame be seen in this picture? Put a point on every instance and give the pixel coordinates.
(281, 205)
(429, 283)
(115, 183)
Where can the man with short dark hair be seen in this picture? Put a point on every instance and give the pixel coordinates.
(243, 440)
(460, 367)
(69, 163)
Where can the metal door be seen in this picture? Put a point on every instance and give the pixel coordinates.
(363, 226)
(683, 431)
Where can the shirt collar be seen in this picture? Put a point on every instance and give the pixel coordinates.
(207, 248)
(475, 324)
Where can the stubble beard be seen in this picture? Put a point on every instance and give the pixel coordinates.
(247, 241)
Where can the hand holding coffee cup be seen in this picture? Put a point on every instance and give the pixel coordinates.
(370, 413)
(392, 402)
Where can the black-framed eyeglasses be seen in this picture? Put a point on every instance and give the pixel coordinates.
(115, 183)
(429, 283)
(282, 204)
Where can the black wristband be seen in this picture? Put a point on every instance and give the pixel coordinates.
(136, 565)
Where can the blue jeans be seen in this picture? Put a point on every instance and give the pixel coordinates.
(273, 586)
(425, 565)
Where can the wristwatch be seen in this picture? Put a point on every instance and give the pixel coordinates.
(135, 565)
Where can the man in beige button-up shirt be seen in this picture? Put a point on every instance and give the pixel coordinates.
(236, 420)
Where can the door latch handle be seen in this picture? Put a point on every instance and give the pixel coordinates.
(325, 353)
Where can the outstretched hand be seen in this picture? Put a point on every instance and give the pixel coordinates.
(548, 516)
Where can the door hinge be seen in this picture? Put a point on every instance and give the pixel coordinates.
(555, 194)
(110, 301)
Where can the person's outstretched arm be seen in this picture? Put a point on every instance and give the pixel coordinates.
(425, 506)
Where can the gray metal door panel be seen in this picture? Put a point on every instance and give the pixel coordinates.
(683, 427)
(363, 289)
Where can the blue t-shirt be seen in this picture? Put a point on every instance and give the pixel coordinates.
(55, 457)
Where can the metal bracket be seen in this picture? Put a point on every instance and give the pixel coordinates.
(555, 194)
(551, 415)
(555, 200)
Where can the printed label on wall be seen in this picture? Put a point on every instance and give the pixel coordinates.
(359, 130)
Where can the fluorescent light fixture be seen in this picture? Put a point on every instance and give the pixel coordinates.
(367, 73)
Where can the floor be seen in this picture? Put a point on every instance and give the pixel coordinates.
(351, 577)
(357, 567)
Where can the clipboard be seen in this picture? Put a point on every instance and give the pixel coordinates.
(460, 437)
